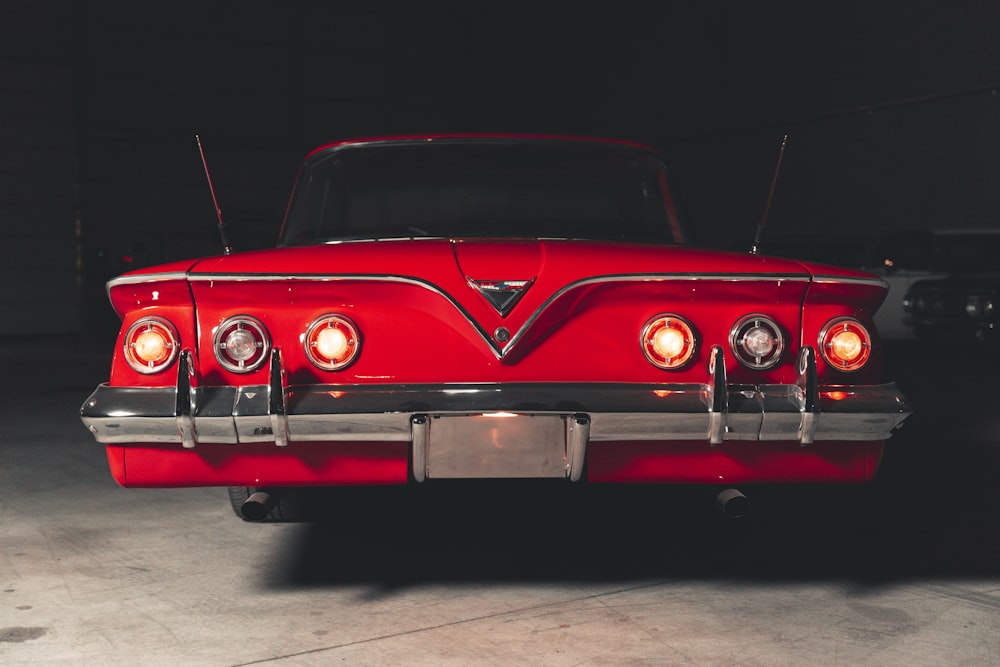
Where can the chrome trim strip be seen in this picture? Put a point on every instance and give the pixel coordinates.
(130, 279)
(874, 281)
(498, 351)
(145, 278)
(611, 277)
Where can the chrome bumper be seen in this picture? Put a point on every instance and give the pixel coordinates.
(714, 411)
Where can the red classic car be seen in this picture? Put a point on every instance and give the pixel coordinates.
(490, 307)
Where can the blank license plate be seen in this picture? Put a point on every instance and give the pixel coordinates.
(496, 446)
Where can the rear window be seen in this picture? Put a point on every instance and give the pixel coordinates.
(525, 189)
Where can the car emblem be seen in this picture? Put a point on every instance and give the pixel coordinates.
(503, 295)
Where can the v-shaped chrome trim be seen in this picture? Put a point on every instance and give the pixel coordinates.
(499, 351)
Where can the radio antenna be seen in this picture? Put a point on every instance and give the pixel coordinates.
(767, 206)
(226, 247)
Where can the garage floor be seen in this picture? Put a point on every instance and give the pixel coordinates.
(904, 572)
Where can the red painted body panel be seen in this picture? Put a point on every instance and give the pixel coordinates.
(261, 464)
(733, 463)
(332, 464)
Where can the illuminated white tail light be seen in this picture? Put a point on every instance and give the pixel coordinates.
(757, 341)
(668, 341)
(332, 342)
(241, 344)
(151, 345)
(845, 344)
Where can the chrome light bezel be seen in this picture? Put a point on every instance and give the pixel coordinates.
(169, 333)
(825, 343)
(672, 320)
(352, 334)
(230, 326)
(737, 341)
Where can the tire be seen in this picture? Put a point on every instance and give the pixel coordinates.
(286, 506)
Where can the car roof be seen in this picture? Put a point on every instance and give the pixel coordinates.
(476, 138)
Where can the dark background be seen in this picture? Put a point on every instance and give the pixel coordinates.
(891, 108)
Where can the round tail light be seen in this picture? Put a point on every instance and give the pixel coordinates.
(668, 341)
(151, 345)
(757, 342)
(332, 342)
(845, 344)
(241, 344)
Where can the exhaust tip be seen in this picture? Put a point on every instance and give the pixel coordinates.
(258, 505)
(732, 503)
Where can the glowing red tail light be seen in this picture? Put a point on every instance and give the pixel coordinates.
(668, 341)
(332, 342)
(845, 344)
(151, 345)
(241, 344)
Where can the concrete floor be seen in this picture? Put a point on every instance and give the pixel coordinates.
(904, 572)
